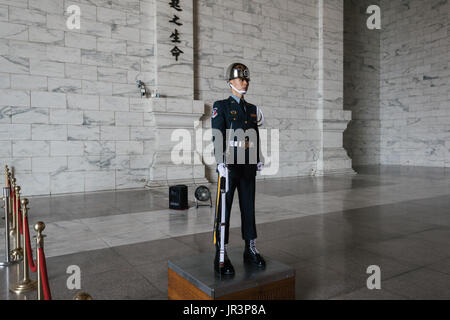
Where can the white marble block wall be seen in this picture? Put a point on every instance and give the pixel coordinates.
(279, 42)
(66, 121)
(397, 83)
(69, 121)
(415, 83)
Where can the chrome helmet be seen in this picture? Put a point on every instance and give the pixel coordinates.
(238, 70)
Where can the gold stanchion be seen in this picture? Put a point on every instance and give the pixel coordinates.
(9, 184)
(6, 176)
(39, 227)
(17, 253)
(82, 296)
(13, 197)
(7, 262)
(26, 285)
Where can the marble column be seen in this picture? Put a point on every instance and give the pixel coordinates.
(175, 108)
(332, 118)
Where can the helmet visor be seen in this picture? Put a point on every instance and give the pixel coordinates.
(239, 71)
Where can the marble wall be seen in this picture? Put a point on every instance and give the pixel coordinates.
(361, 84)
(397, 83)
(415, 83)
(71, 119)
(279, 42)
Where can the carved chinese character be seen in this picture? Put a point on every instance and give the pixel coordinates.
(176, 52)
(175, 20)
(176, 36)
(175, 4)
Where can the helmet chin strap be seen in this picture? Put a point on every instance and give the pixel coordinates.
(240, 91)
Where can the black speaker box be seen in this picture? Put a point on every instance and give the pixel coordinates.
(178, 197)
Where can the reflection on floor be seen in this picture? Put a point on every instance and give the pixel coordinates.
(330, 229)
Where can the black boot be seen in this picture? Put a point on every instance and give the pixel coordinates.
(227, 269)
(252, 256)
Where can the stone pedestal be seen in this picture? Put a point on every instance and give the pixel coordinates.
(194, 278)
(334, 158)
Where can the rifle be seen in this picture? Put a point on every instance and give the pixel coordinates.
(222, 189)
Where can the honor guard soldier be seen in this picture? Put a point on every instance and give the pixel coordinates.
(235, 127)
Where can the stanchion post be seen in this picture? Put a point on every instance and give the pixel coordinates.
(8, 261)
(26, 285)
(6, 175)
(82, 296)
(39, 227)
(12, 203)
(8, 184)
(17, 253)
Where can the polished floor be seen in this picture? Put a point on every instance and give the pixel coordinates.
(330, 229)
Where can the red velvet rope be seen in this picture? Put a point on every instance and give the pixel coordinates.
(19, 212)
(31, 263)
(43, 267)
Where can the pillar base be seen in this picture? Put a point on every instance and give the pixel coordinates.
(344, 171)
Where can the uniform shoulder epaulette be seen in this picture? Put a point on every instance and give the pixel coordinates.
(219, 103)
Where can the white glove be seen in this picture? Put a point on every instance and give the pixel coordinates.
(259, 166)
(259, 117)
(222, 170)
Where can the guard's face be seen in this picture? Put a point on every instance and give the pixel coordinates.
(240, 84)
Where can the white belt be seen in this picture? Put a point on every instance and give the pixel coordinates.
(241, 144)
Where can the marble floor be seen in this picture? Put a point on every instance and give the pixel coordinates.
(330, 229)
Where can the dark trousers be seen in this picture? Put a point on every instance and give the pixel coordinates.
(242, 178)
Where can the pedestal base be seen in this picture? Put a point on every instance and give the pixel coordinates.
(194, 278)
